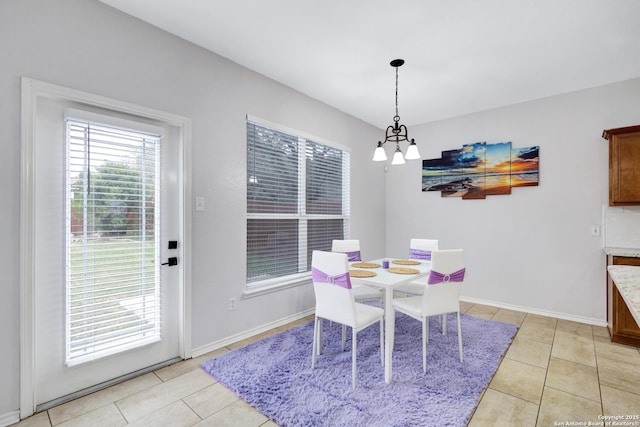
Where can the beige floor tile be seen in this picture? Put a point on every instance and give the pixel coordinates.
(601, 331)
(499, 409)
(37, 420)
(510, 316)
(101, 398)
(239, 414)
(528, 351)
(107, 416)
(534, 332)
(185, 366)
(210, 400)
(177, 414)
(558, 407)
(252, 339)
(575, 328)
(183, 394)
(575, 348)
(541, 321)
(519, 380)
(606, 348)
(483, 311)
(616, 402)
(619, 374)
(465, 306)
(573, 378)
(152, 399)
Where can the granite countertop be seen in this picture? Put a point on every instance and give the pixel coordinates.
(627, 280)
(630, 252)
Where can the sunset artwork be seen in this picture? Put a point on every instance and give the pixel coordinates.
(478, 170)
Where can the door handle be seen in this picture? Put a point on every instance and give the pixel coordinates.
(171, 261)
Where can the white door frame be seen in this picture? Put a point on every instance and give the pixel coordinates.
(31, 91)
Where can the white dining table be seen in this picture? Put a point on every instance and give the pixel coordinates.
(389, 281)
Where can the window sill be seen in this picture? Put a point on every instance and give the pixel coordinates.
(267, 288)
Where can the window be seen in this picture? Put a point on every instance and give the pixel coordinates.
(297, 202)
(112, 271)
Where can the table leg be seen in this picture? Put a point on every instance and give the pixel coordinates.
(389, 321)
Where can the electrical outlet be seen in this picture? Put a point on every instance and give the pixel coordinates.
(233, 303)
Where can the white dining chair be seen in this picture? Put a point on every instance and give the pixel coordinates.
(361, 293)
(441, 295)
(335, 302)
(349, 247)
(419, 249)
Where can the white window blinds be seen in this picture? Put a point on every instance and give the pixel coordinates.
(112, 246)
(297, 201)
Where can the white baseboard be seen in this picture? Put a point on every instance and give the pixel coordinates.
(10, 418)
(249, 333)
(564, 316)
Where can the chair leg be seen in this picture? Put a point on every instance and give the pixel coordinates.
(426, 323)
(382, 342)
(444, 324)
(315, 344)
(353, 358)
(459, 337)
(344, 336)
(319, 343)
(425, 334)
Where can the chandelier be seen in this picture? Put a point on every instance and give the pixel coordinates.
(396, 133)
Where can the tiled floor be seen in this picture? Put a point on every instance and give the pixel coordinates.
(555, 371)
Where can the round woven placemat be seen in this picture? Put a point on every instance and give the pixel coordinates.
(405, 262)
(403, 270)
(361, 273)
(365, 265)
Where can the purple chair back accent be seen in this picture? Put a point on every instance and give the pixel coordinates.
(342, 280)
(353, 256)
(420, 254)
(435, 277)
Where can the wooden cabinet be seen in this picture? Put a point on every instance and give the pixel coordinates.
(624, 165)
(622, 326)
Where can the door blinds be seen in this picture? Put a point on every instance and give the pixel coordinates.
(112, 275)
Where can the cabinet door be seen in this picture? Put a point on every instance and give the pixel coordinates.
(625, 328)
(622, 325)
(624, 169)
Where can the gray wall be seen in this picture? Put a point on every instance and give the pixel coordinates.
(86, 45)
(531, 250)
(528, 250)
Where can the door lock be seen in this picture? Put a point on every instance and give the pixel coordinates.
(171, 261)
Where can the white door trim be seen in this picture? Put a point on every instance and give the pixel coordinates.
(31, 91)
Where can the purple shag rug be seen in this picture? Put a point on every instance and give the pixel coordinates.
(275, 376)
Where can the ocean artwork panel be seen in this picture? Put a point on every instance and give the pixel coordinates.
(478, 170)
(474, 160)
(524, 166)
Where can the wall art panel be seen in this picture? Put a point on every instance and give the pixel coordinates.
(478, 170)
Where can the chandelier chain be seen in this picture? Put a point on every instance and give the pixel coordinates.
(397, 117)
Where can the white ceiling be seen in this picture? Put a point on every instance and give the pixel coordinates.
(462, 56)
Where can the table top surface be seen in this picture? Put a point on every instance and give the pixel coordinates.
(387, 278)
